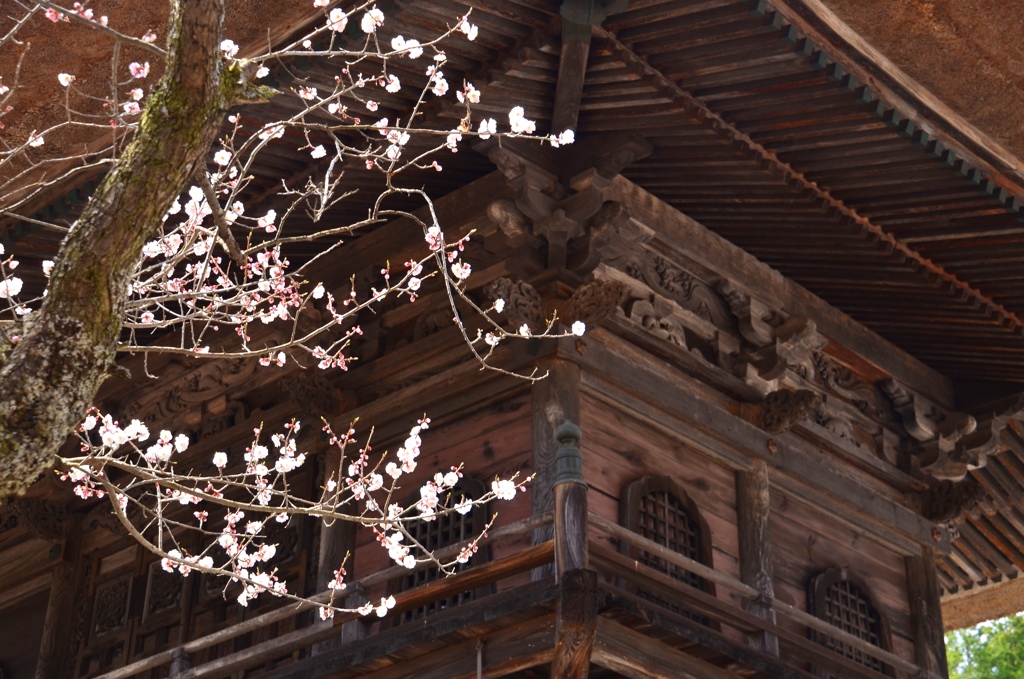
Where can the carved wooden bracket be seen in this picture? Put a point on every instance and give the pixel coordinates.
(947, 500)
(568, 215)
(47, 520)
(951, 443)
(782, 409)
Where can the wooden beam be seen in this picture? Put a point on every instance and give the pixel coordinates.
(337, 551)
(572, 69)
(926, 614)
(499, 653)
(65, 587)
(632, 654)
(577, 624)
(755, 543)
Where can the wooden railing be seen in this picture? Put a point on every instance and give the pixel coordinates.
(622, 577)
(305, 637)
(609, 561)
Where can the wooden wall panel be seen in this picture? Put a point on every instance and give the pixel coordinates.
(807, 543)
(617, 450)
(493, 441)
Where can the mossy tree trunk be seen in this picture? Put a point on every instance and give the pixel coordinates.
(53, 373)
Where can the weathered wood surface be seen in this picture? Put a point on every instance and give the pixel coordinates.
(67, 583)
(635, 655)
(710, 605)
(577, 624)
(631, 381)
(926, 614)
(411, 599)
(555, 399)
(704, 636)
(727, 260)
(448, 637)
(753, 508)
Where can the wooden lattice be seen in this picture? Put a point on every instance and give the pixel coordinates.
(442, 532)
(659, 510)
(841, 600)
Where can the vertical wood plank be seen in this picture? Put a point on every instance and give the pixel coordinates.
(755, 543)
(576, 625)
(926, 614)
(556, 398)
(337, 547)
(65, 584)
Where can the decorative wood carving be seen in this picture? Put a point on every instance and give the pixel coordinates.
(951, 443)
(9, 520)
(782, 409)
(796, 340)
(920, 418)
(102, 516)
(431, 322)
(523, 304)
(163, 590)
(314, 392)
(947, 500)
(593, 301)
(840, 380)
(47, 520)
(110, 610)
(684, 288)
(509, 219)
(753, 316)
(190, 391)
(612, 237)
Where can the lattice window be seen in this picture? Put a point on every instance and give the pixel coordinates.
(442, 532)
(842, 600)
(659, 510)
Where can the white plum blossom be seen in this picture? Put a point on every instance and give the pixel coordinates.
(519, 122)
(337, 20)
(318, 151)
(220, 460)
(229, 48)
(410, 48)
(65, 79)
(578, 328)
(371, 20)
(488, 126)
(503, 489)
(10, 287)
(222, 157)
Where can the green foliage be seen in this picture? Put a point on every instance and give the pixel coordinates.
(990, 650)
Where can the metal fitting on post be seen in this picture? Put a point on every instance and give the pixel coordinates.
(569, 458)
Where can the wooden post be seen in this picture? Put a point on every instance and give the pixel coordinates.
(752, 512)
(576, 626)
(65, 584)
(926, 614)
(337, 541)
(556, 398)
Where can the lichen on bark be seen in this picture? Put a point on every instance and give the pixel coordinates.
(54, 372)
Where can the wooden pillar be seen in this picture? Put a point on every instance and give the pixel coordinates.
(752, 513)
(556, 398)
(576, 626)
(65, 586)
(337, 547)
(926, 614)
